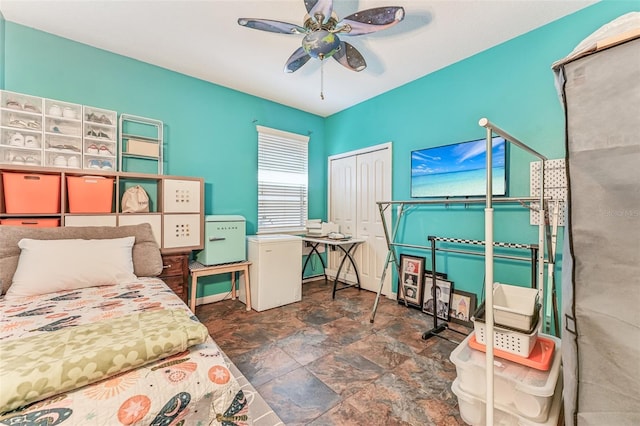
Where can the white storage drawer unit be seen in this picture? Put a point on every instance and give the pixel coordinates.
(275, 271)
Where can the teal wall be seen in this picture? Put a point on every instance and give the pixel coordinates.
(513, 86)
(2, 46)
(210, 130)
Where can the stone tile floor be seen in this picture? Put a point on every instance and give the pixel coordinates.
(321, 362)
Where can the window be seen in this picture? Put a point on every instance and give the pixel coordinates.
(282, 181)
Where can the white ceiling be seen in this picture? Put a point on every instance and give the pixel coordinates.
(202, 39)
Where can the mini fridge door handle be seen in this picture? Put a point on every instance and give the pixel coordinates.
(217, 238)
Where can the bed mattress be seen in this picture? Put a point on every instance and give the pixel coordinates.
(193, 387)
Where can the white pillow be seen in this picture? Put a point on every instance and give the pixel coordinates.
(47, 266)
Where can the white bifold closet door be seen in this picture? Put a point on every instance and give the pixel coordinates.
(357, 180)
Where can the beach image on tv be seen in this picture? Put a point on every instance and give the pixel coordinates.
(458, 170)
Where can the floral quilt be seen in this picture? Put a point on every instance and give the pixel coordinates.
(193, 387)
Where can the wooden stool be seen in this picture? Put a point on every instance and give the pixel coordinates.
(197, 269)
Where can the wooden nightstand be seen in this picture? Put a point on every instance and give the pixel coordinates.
(175, 272)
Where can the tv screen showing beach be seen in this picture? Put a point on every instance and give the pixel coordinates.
(458, 170)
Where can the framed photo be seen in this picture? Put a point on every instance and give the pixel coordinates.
(463, 306)
(411, 283)
(444, 289)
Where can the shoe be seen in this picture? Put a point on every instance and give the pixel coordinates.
(56, 129)
(55, 111)
(103, 135)
(32, 124)
(30, 161)
(13, 104)
(93, 133)
(17, 159)
(73, 162)
(30, 108)
(60, 161)
(92, 149)
(17, 140)
(31, 142)
(94, 164)
(68, 113)
(92, 117)
(104, 150)
(14, 122)
(104, 120)
(106, 165)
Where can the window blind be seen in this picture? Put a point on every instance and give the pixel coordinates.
(282, 181)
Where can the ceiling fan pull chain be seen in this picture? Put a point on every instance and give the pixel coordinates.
(322, 80)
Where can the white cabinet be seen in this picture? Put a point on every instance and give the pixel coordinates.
(20, 129)
(275, 271)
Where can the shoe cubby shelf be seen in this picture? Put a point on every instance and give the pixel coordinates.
(36, 131)
(176, 203)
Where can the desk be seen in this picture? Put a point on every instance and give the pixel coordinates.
(348, 247)
(197, 270)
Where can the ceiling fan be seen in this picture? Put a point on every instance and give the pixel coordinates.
(321, 28)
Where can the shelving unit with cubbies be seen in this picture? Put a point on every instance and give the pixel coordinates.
(176, 212)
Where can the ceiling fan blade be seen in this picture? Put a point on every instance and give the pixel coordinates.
(349, 57)
(297, 60)
(319, 7)
(371, 20)
(271, 26)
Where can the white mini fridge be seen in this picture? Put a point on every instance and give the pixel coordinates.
(275, 274)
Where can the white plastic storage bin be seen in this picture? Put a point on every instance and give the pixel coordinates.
(514, 306)
(522, 390)
(511, 341)
(474, 410)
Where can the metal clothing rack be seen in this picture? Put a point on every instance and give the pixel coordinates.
(403, 207)
(438, 328)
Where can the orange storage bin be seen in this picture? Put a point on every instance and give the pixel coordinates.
(31, 193)
(90, 194)
(34, 223)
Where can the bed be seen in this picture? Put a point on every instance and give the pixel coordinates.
(89, 336)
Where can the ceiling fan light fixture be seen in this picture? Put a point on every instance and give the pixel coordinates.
(321, 44)
(321, 28)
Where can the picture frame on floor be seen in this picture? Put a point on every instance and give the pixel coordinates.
(463, 306)
(444, 290)
(411, 282)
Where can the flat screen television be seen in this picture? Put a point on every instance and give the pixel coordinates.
(458, 170)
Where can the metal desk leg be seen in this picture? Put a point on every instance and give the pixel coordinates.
(314, 249)
(347, 255)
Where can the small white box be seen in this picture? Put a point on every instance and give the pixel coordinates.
(181, 230)
(521, 390)
(514, 306)
(181, 196)
(139, 147)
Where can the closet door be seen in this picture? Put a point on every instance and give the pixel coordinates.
(373, 184)
(356, 182)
